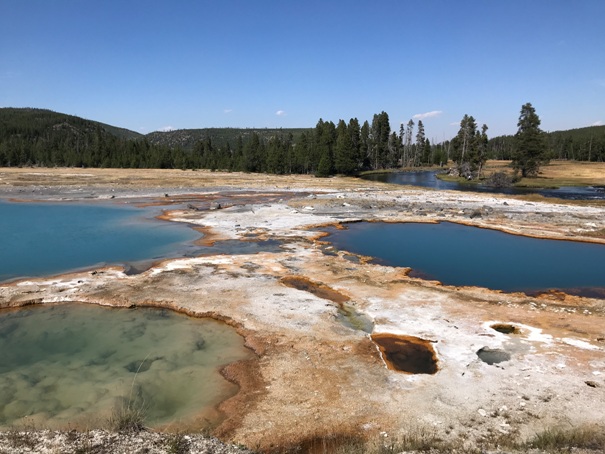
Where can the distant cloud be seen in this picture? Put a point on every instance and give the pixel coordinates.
(280, 113)
(166, 129)
(228, 111)
(455, 123)
(431, 114)
(597, 123)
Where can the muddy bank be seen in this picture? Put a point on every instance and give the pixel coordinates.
(317, 375)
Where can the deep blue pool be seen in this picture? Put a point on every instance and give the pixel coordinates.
(39, 239)
(461, 255)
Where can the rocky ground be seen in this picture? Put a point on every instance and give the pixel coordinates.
(100, 441)
(317, 373)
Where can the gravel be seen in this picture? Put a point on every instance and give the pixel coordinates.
(101, 441)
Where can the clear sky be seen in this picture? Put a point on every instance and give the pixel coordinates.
(147, 65)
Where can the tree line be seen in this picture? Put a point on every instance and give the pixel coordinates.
(36, 137)
(582, 144)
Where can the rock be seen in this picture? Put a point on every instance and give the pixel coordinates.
(215, 206)
(592, 384)
(487, 209)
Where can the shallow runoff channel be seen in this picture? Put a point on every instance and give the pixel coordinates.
(460, 255)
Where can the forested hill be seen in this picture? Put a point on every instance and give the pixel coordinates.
(189, 138)
(42, 137)
(33, 123)
(582, 144)
(46, 138)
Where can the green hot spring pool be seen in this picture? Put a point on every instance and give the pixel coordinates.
(71, 365)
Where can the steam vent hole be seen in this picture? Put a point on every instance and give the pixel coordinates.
(492, 356)
(407, 353)
(505, 328)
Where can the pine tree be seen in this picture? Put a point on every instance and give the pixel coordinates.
(380, 132)
(407, 144)
(402, 140)
(325, 137)
(467, 151)
(419, 154)
(428, 154)
(302, 162)
(365, 144)
(395, 147)
(355, 134)
(482, 142)
(252, 154)
(530, 146)
(344, 160)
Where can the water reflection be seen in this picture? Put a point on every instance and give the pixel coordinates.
(429, 179)
(461, 255)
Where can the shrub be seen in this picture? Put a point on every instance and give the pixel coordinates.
(499, 180)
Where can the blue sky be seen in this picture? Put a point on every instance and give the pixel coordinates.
(147, 65)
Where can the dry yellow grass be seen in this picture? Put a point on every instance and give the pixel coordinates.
(166, 178)
(558, 173)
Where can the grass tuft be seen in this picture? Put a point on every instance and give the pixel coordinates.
(591, 437)
(128, 416)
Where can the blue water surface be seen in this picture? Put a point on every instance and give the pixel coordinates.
(428, 179)
(39, 239)
(461, 255)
